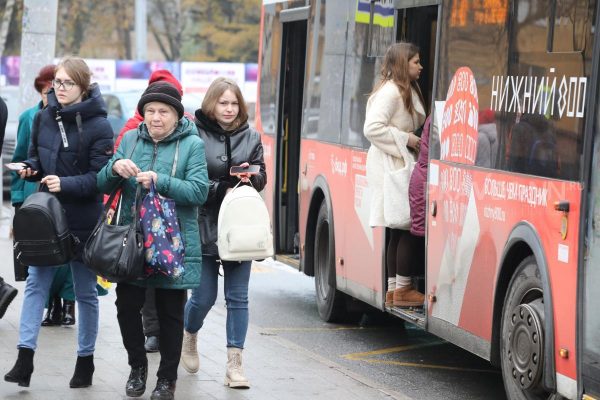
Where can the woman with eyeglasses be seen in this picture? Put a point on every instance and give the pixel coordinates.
(71, 141)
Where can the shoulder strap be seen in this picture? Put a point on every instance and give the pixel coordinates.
(134, 146)
(36, 131)
(79, 123)
(118, 213)
(175, 159)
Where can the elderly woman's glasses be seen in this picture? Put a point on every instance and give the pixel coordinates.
(67, 85)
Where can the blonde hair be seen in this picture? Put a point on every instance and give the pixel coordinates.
(215, 91)
(77, 70)
(395, 68)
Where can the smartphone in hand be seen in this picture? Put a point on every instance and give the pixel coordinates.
(15, 166)
(250, 169)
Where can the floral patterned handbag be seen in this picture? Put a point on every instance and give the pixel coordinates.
(163, 243)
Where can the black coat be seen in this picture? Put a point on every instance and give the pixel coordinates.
(225, 149)
(90, 146)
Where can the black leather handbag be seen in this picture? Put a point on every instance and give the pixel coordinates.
(117, 252)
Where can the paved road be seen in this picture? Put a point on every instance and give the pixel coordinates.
(403, 359)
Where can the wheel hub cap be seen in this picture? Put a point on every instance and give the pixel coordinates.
(525, 350)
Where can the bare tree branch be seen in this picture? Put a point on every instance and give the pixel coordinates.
(8, 12)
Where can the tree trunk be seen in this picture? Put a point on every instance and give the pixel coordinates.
(8, 12)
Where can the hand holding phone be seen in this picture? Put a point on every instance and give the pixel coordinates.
(241, 169)
(244, 171)
(15, 166)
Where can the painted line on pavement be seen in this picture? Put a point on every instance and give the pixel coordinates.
(340, 328)
(341, 369)
(366, 357)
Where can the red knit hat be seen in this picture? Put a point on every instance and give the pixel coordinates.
(166, 76)
(44, 77)
(486, 116)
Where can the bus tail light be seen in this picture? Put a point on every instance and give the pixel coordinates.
(564, 207)
(433, 208)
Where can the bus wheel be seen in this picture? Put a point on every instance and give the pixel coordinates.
(522, 340)
(330, 301)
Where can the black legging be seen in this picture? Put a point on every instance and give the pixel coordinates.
(405, 254)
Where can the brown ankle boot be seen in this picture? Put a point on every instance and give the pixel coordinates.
(408, 297)
(389, 298)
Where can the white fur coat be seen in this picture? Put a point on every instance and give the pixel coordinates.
(387, 125)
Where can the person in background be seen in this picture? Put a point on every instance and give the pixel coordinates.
(147, 154)
(20, 189)
(223, 124)
(149, 316)
(394, 111)
(71, 141)
(487, 139)
(58, 313)
(533, 148)
(7, 292)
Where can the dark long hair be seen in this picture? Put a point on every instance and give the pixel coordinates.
(395, 69)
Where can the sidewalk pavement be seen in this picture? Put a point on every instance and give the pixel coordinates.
(276, 368)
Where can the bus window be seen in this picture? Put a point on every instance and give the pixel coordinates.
(571, 22)
(381, 26)
(534, 98)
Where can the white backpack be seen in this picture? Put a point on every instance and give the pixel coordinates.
(244, 227)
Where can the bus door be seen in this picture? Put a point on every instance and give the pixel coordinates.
(589, 280)
(291, 87)
(418, 25)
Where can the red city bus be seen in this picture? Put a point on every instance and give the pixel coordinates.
(512, 271)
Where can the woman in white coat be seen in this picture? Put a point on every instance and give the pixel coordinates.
(395, 110)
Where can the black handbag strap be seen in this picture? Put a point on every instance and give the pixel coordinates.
(138, 195)
(134, 210)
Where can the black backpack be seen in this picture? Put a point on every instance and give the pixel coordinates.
(42, 235)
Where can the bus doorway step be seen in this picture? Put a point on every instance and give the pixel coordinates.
(414, 315)
(293, 260)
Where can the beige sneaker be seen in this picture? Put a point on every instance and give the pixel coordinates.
(408, 297)
(189, 353)
(389, 298)
(234, 377)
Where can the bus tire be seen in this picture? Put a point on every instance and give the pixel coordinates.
(522, 337)
(330, 301)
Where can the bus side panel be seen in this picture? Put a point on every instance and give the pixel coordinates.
(268, 153)
(462, 275)
(358, 247)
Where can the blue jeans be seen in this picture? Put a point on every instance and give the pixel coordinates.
(37, 289)
(237, 277)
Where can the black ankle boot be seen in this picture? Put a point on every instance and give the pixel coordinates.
(54, 314)
(21, 372)
(84, 371)
(68, 312)
(164, 390)
(7, 294)
(136, 383)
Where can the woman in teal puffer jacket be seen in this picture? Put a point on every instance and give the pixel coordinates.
(146, 154)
